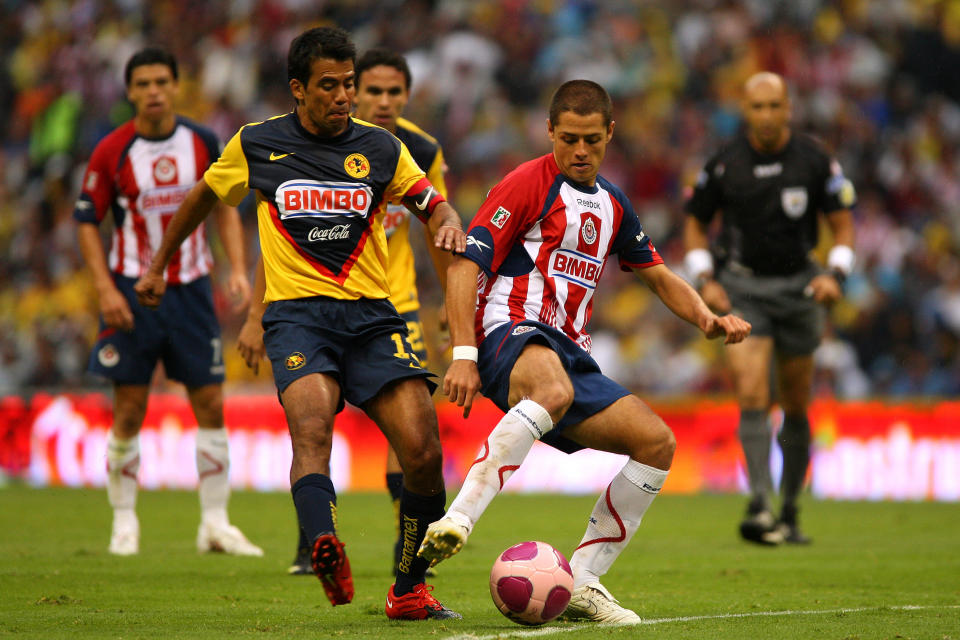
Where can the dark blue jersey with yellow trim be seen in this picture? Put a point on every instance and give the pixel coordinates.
(318, 203)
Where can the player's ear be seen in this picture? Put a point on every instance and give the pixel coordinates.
(296, 88)
(550, 129)
(610, 130)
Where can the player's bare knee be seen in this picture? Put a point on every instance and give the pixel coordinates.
(555, 396)
(422, 469)
(658, 446)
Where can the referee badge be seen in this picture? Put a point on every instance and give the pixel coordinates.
(295, 360)
(794, 201)
(357, 165)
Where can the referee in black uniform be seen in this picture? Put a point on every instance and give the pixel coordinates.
(770, 184)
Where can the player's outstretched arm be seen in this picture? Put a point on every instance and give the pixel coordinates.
(250, 340)
(699, 265)
(231, 234)
(192, 211)
(681, 298)
(463, 378)
(426, 203)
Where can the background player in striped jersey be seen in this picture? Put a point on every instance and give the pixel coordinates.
(322, 180)
(141, 172)
(771, 186)
(383, 89)
(538, 245)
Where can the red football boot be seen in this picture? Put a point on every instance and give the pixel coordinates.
(331, 565)
(417, 605)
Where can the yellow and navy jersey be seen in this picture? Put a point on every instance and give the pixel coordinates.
(319, 202)
(401, 272)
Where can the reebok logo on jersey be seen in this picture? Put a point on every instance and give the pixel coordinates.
(576, 267)
(500, 217)
(310, 198)
(479, 245)
(274, 156)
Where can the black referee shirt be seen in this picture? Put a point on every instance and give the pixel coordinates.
(769, 202)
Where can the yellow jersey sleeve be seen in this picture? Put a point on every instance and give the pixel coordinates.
(229, 176)
(405, 176)
(435, 173)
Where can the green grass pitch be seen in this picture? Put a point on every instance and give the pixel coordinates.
(875, 570)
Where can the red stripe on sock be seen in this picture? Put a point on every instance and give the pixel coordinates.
(216, 463)
(616, 516)
(504, 469)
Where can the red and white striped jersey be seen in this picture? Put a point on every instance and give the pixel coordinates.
(542, 241)
(143, 181)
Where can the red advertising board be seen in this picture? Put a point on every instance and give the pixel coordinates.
(868, 450)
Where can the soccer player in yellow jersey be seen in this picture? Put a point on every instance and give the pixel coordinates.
(322, 181)
(383, 88)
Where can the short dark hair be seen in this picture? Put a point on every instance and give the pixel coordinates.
(150, 55)
(583, 97)
(320, 42)
(385, 57)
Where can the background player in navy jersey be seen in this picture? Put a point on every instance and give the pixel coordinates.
(141, 172)
(538, 245)
(770, 185)
(383, 89)
(322, 181)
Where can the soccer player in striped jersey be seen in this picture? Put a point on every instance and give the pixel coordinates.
(140, 173)
(322, 181)
(519, 301)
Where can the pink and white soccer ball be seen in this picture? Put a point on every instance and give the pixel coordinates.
(531, 583)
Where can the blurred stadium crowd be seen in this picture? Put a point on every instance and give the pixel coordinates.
(878, 81)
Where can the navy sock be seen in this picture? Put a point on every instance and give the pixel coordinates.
(395, 484)
(416, 513)
(316, 503)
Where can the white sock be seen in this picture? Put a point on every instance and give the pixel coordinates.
(503, 452)
(123, 465)
(614, 520)
(213, 471)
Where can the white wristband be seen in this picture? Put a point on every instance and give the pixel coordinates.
(466, 353)
(841, 258)
(698, 263)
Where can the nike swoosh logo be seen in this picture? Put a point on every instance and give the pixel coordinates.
(276, 156)
(426, 198)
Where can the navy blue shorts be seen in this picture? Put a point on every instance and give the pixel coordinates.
(183, 332)
(592, 391)
(362, 343)
(415, 335)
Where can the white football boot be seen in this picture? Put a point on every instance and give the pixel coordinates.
(593, 602)
(125, 536)
(226, 538)
(444, 538)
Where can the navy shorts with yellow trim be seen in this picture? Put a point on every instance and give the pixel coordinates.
(362, 343)
(183, 332)
(415, 335)
(592, 391)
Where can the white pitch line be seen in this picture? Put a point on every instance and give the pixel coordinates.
(546, 631)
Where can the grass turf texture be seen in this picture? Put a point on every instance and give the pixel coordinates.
(58, 581)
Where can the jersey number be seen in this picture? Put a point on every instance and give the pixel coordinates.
(402, 352)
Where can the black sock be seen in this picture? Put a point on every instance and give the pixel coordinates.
(302, 542)
(316, 503)
(754, 435)
(395, 484)
(416, 514)
(794, 440)
(395, 487)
